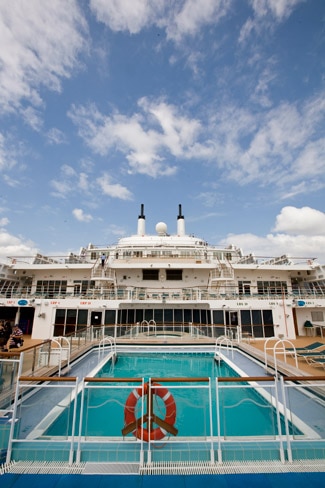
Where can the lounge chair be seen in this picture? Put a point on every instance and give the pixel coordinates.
(311, 347)
(320, 361)
(311, 354)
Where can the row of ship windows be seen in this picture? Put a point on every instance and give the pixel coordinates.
(130, 316)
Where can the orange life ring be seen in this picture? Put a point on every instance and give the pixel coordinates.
(170, 414)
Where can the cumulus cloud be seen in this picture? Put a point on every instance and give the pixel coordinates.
(38, 48)
(80, 215)
(305, 220)
(298, 232)
(11, 245)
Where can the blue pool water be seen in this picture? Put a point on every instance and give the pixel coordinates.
(243, 412)
(278, 480)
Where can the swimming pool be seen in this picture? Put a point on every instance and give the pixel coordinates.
(224, 420)
(243, 411)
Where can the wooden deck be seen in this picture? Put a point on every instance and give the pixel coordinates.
(257, 345)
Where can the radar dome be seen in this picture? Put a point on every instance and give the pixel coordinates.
(161, 228)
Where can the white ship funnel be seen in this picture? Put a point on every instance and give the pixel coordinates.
(180, 222)
(141, 223)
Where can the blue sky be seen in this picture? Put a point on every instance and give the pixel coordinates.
(217, 105)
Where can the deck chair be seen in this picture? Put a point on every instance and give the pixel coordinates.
(311, 347)
(320, 361)
(311, 354)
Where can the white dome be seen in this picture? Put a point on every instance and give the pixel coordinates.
(161, 228)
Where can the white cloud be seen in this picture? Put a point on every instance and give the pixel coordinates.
(281, 146)
(267, 13)
(56, 136)
(114, 190)
(11, 245)
(211, 198)
(130, 15)
(179, 19)
(299, 233)
(7, 160)
(4, 221)
(38, 47)
(193, 16)
(61, 188)
(79, 214)
(144, 138)
(71, 182)
(305, 220)
(116, 230)
(83, 183)
(279, 9)
(32, 117)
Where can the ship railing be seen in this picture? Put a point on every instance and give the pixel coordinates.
(256, 421)
(169, 294)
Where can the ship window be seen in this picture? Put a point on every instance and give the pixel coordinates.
(60, 316)
(148, 314)
(271, 287)
(267, 317)
(218, 317)
(150, 274)
(256, 317)
(174, 274)
(123, 314)
(168, 315)
(245, 316)
(317, 316)
(158, 316)
(187, 315)
(82, 317)
(109, 316)
(71, 316)
(178, 315)
(51, 288)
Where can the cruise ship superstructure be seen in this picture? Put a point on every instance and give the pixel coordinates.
(163, 284)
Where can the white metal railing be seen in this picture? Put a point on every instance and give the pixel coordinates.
(107, 340)
(215, 410)
(279, 347)
(57, 354)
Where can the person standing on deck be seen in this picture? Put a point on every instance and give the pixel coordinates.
(103, 258)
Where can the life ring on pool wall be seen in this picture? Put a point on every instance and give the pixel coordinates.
(166, 425)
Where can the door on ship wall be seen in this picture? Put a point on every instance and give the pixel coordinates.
(26, 319)
(96, 318)
(24, 316)
(8, 313)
